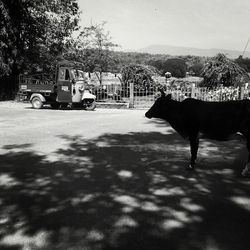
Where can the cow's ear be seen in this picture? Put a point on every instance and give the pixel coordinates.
(169, 96)
(162, 92)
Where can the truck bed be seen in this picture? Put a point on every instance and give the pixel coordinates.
(32, 84)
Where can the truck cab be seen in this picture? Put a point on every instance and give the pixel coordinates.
(69, 87)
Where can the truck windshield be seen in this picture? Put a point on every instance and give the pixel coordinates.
(78, 74)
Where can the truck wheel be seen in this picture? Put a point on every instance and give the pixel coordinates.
(89, 104)
(36, 103)
(55, 105)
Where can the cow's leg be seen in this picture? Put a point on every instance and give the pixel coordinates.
(246, 170)
(194, 145)
(246, 132)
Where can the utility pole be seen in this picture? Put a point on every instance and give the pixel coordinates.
(246, 47)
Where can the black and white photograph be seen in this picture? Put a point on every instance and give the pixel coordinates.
(124, 125)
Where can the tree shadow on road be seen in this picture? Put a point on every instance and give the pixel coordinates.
(125, 191)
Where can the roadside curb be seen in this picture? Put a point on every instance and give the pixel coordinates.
(110, 105)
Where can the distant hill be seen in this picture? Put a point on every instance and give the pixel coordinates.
(182, 51)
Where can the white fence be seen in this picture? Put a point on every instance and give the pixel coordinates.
(145, 97)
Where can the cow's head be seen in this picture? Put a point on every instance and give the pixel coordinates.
(158, 110)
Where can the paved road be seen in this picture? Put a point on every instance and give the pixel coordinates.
(44, 129)
(111, 179)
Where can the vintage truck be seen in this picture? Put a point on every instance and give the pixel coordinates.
(68, 87)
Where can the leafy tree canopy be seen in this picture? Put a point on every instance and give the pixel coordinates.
(244, 63)
(139, 74)
(176, 66)
(196, 69)
(33, 33)
(93, 47)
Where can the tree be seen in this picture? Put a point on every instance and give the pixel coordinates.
(158, 64)
(176, 66)
(93, 47)
(221, 70)
(196, 68)
(33, 34)
(140, 75)
(194, 64)
(244, 63)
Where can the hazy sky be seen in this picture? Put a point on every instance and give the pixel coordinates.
(134, 24)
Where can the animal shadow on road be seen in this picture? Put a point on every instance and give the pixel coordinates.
(125, 191)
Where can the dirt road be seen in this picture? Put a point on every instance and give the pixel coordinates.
(112, 179)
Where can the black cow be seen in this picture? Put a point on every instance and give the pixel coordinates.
(193, 118)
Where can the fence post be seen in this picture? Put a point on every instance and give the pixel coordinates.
(193, 91)
(241, 95)
(131, 94)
